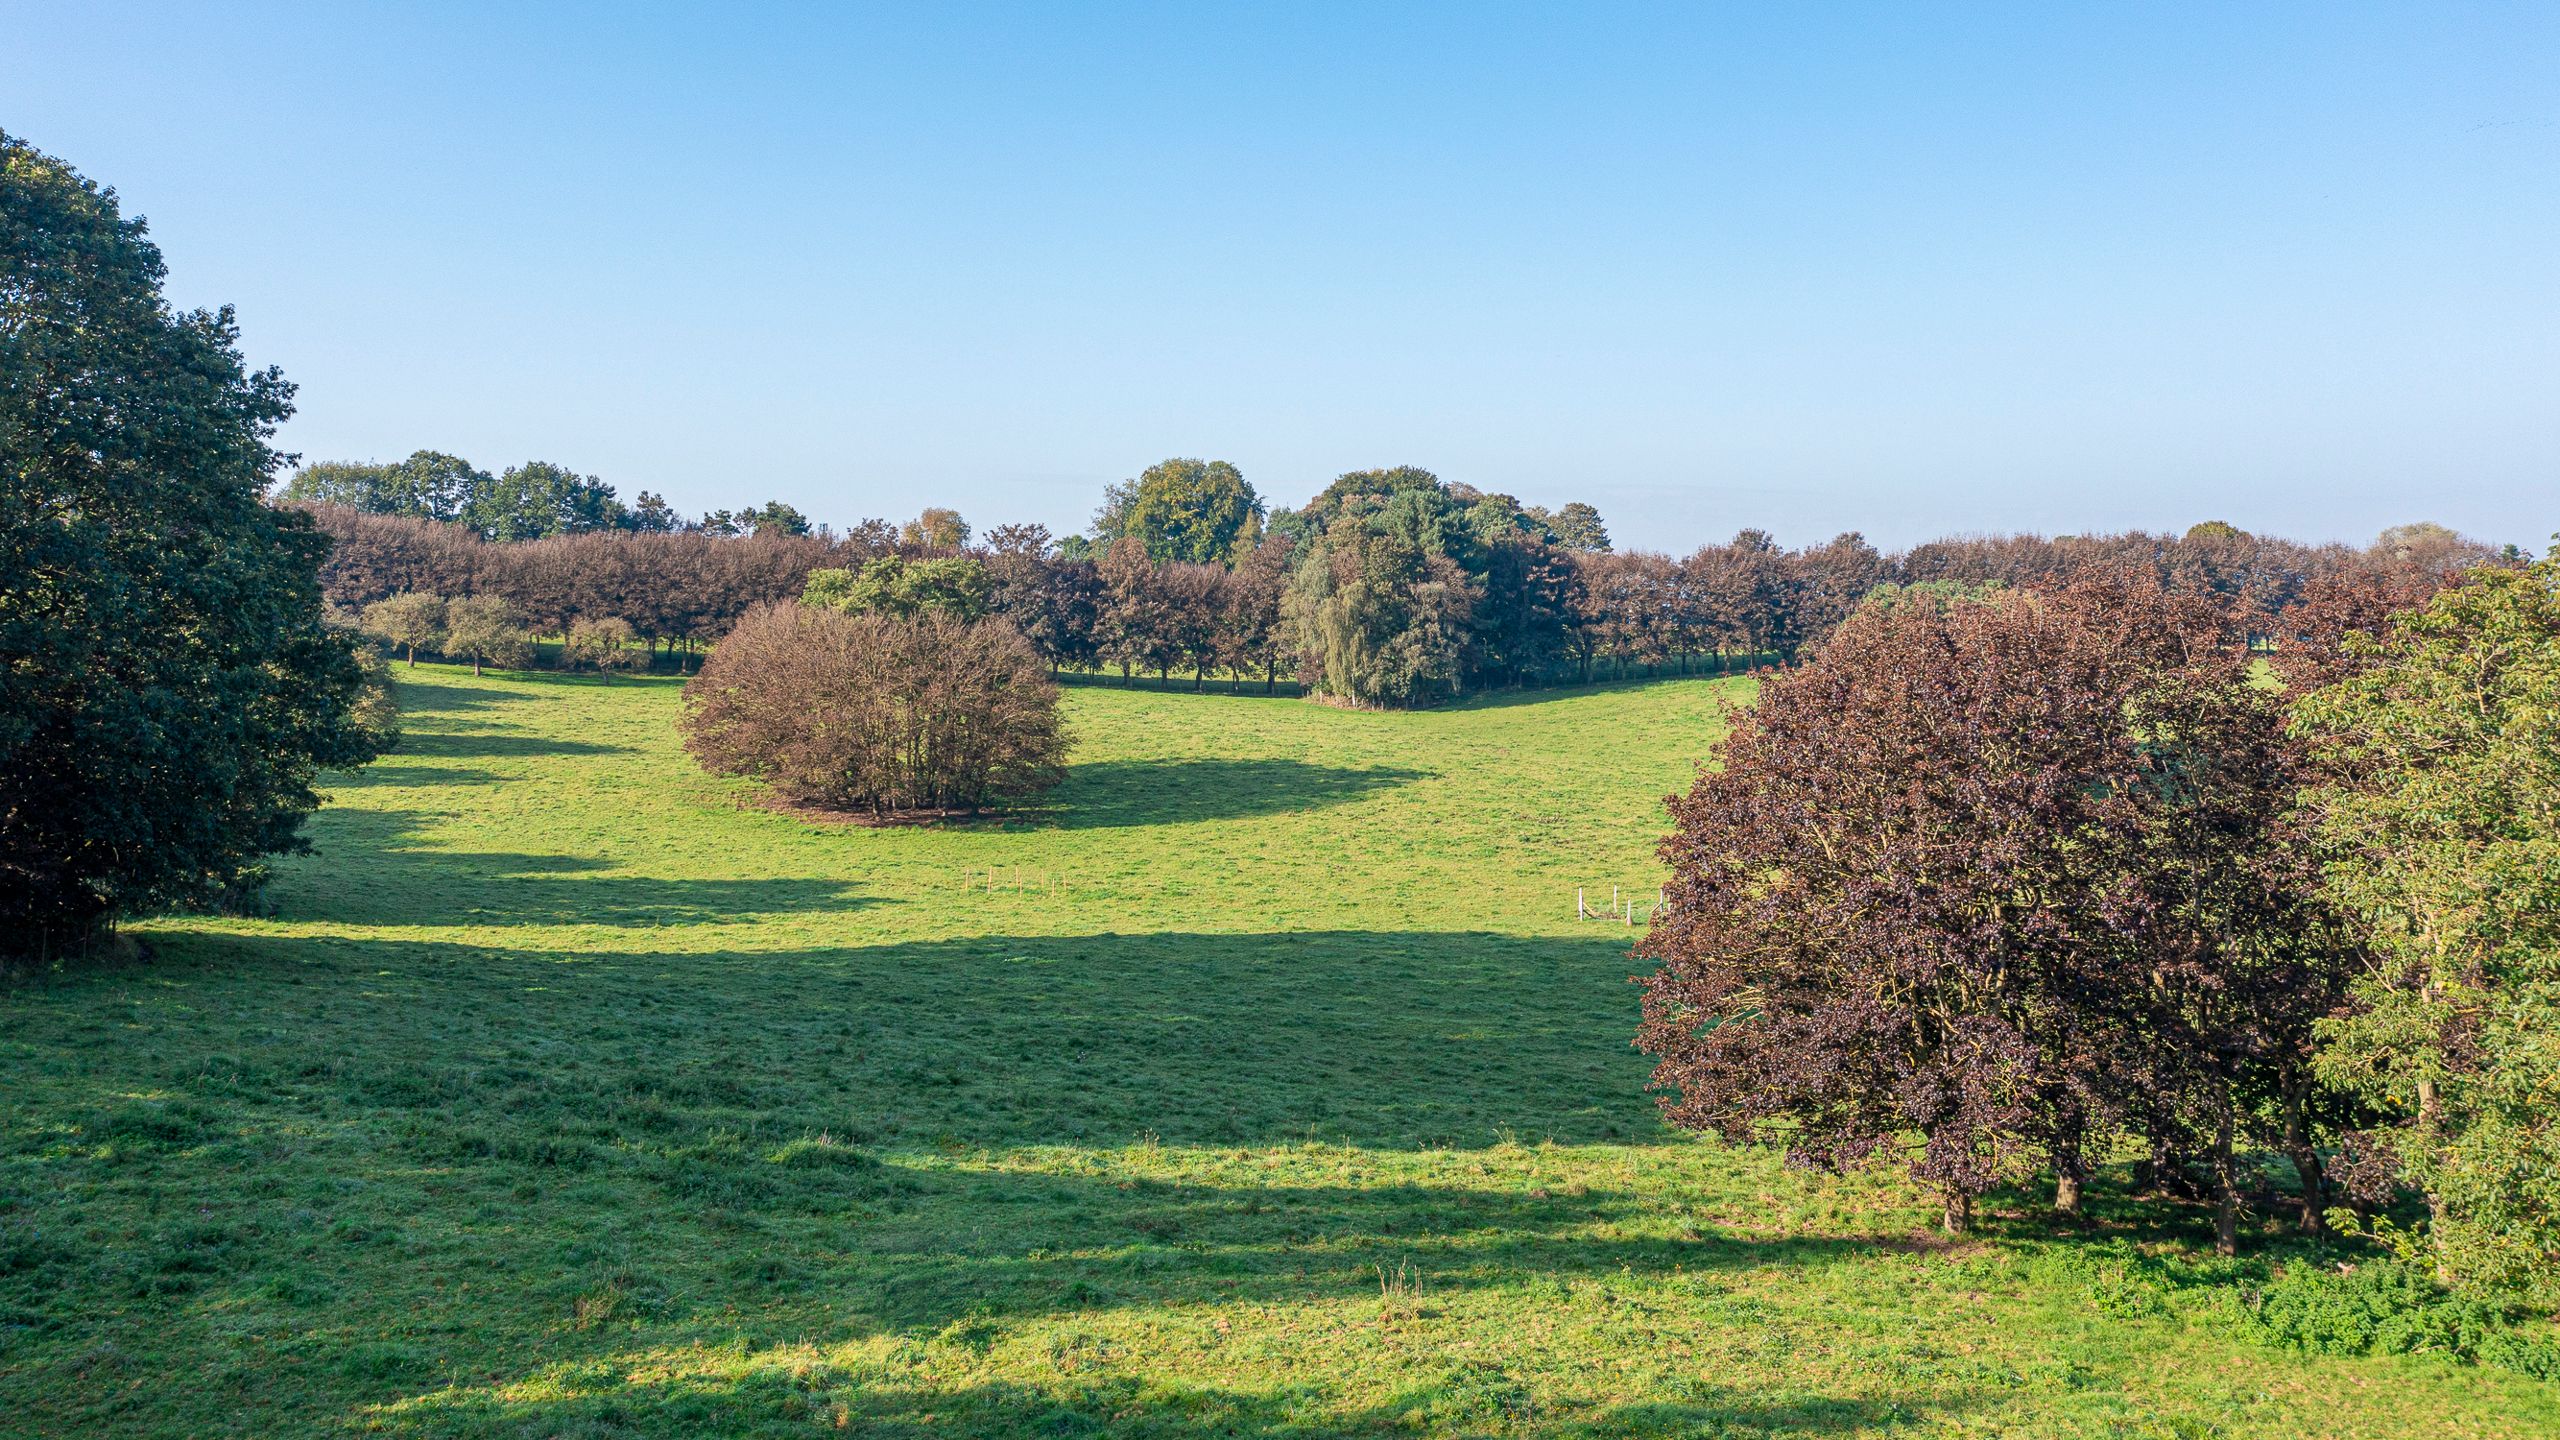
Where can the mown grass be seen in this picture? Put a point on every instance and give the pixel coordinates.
(1273, 1090)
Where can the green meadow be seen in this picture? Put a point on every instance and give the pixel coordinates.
(1266, 1084)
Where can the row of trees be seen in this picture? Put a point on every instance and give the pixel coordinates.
(1994, 883)
(1390, 588)
(532, 501)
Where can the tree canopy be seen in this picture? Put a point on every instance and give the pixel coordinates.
(167, 690)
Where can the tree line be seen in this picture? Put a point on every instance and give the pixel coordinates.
(1391, 587)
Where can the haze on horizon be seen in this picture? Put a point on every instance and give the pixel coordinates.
(1859, 268)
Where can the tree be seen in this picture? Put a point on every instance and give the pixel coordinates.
(1198, 511)
(1133, 623)
(771, 518)
(603, 645)
(411, 621)
(652, 515)
(1252, 636)
(538, 499)
(876, 712)
(894, 585)
(2429, 546)
(935, 529)
(1575, 527)
(1379, 620)
(484, 627)
(1984, 872)
(429, 485)
(168, 690)
(2441, 806)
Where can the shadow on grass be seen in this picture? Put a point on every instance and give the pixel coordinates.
(1465, 1397)
(410, 882)
(1387, 1040)
(1170, 792)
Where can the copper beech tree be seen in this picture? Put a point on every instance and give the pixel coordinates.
(1991, 882)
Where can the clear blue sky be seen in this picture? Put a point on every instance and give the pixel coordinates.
(1905, 269)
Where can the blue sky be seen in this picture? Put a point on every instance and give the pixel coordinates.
(1905, 269)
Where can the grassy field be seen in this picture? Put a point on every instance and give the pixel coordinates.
(1273, 1089)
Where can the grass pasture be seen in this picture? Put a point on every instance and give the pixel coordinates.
(1270, 1089)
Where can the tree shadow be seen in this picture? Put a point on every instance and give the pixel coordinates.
(1376, 1039)
(1111, 793)
(1515, 696)
(494, 742)
(1465, 1397)
(412, 883)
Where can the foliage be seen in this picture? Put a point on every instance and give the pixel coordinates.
(2442, 809)
(483, 630)
(2390, 1308)
(603, 644)
(1575, 526)
(877, 712)
(2007, 874)
(539, 499)
(935, 529)
(167, 688)
(1202, 512)
(1380, 621)
(952, 585)
(772, 518)
(410, 621)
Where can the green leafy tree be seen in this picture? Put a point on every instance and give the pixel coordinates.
(1575, 527)
(894, 585)
(652, 515)
(539, 499)
(410, 621)
(168, 690)
(603, 645)
(2444, 817)
(429, 485)
(1380, 621)
(1200, 511)
(771, 518)
(484, 627)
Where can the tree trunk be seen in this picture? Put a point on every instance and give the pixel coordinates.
(1957, 1216)
(2226, 1188)
(413, 657)
(2306, 1162)
(2430, 1117)
(475, 664)
(2066, 1188)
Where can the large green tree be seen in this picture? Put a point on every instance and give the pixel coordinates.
(167, 691)
(1201, 511)
(539, 499)
(2444, 815)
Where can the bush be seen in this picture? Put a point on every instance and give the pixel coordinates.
(603, 646)
(2391, 1308)
(876, 712)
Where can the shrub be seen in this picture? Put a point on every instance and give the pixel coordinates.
(877, 712)
(603, 646)
(484, 627)
(410, 621)
(2392, 1308)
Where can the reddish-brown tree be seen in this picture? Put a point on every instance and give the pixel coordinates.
(2004, 873)
(877, 713)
